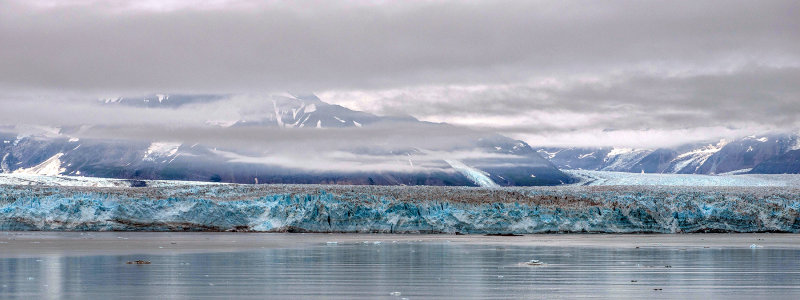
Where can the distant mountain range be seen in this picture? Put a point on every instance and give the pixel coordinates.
(768, 154)
(502, 161)
(58, 151)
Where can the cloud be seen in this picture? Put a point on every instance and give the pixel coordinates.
(342, 161)
(553, 73)
(639, 109)
(254, 46)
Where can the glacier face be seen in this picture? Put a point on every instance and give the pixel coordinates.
(318, 208)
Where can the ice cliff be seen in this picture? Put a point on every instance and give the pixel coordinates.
(317, 208)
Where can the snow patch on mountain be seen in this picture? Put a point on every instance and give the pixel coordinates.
(277, 114)
(51, 167)
(477, 176)
(111, 100)
(796, 142)
(310, 108)
(548, 155)
(4, 164)
(161, 150)
(756, 138)
(619, 151)
(624, 158)
(697, 157)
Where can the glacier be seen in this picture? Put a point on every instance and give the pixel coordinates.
(608, 178)
(399, 209)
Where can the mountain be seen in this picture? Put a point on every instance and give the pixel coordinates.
(474, 159)
(768, 154)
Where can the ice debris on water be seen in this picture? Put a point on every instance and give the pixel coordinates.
(396, 294)
(534, 262)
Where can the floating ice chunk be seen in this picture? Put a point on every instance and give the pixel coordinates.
(534, 262)
(755, 246)
(396, 294)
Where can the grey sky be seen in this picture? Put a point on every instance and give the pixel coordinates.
(633, 73)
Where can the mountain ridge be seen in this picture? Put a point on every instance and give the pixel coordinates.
(504, 161)
(774, 153)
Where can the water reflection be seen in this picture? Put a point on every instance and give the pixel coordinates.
(415, 270)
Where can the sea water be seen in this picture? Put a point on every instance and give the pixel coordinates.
(395, 269)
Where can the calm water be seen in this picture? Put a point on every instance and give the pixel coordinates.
(417, 270)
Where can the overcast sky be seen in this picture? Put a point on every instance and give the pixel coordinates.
(604, 73)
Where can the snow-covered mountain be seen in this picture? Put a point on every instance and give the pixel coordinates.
(477, 159)
(768, 154)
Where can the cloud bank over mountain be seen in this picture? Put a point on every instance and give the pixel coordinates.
(565, 73)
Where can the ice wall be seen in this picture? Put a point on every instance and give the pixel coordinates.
(401, 210)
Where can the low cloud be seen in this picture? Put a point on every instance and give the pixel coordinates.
(638, 109)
